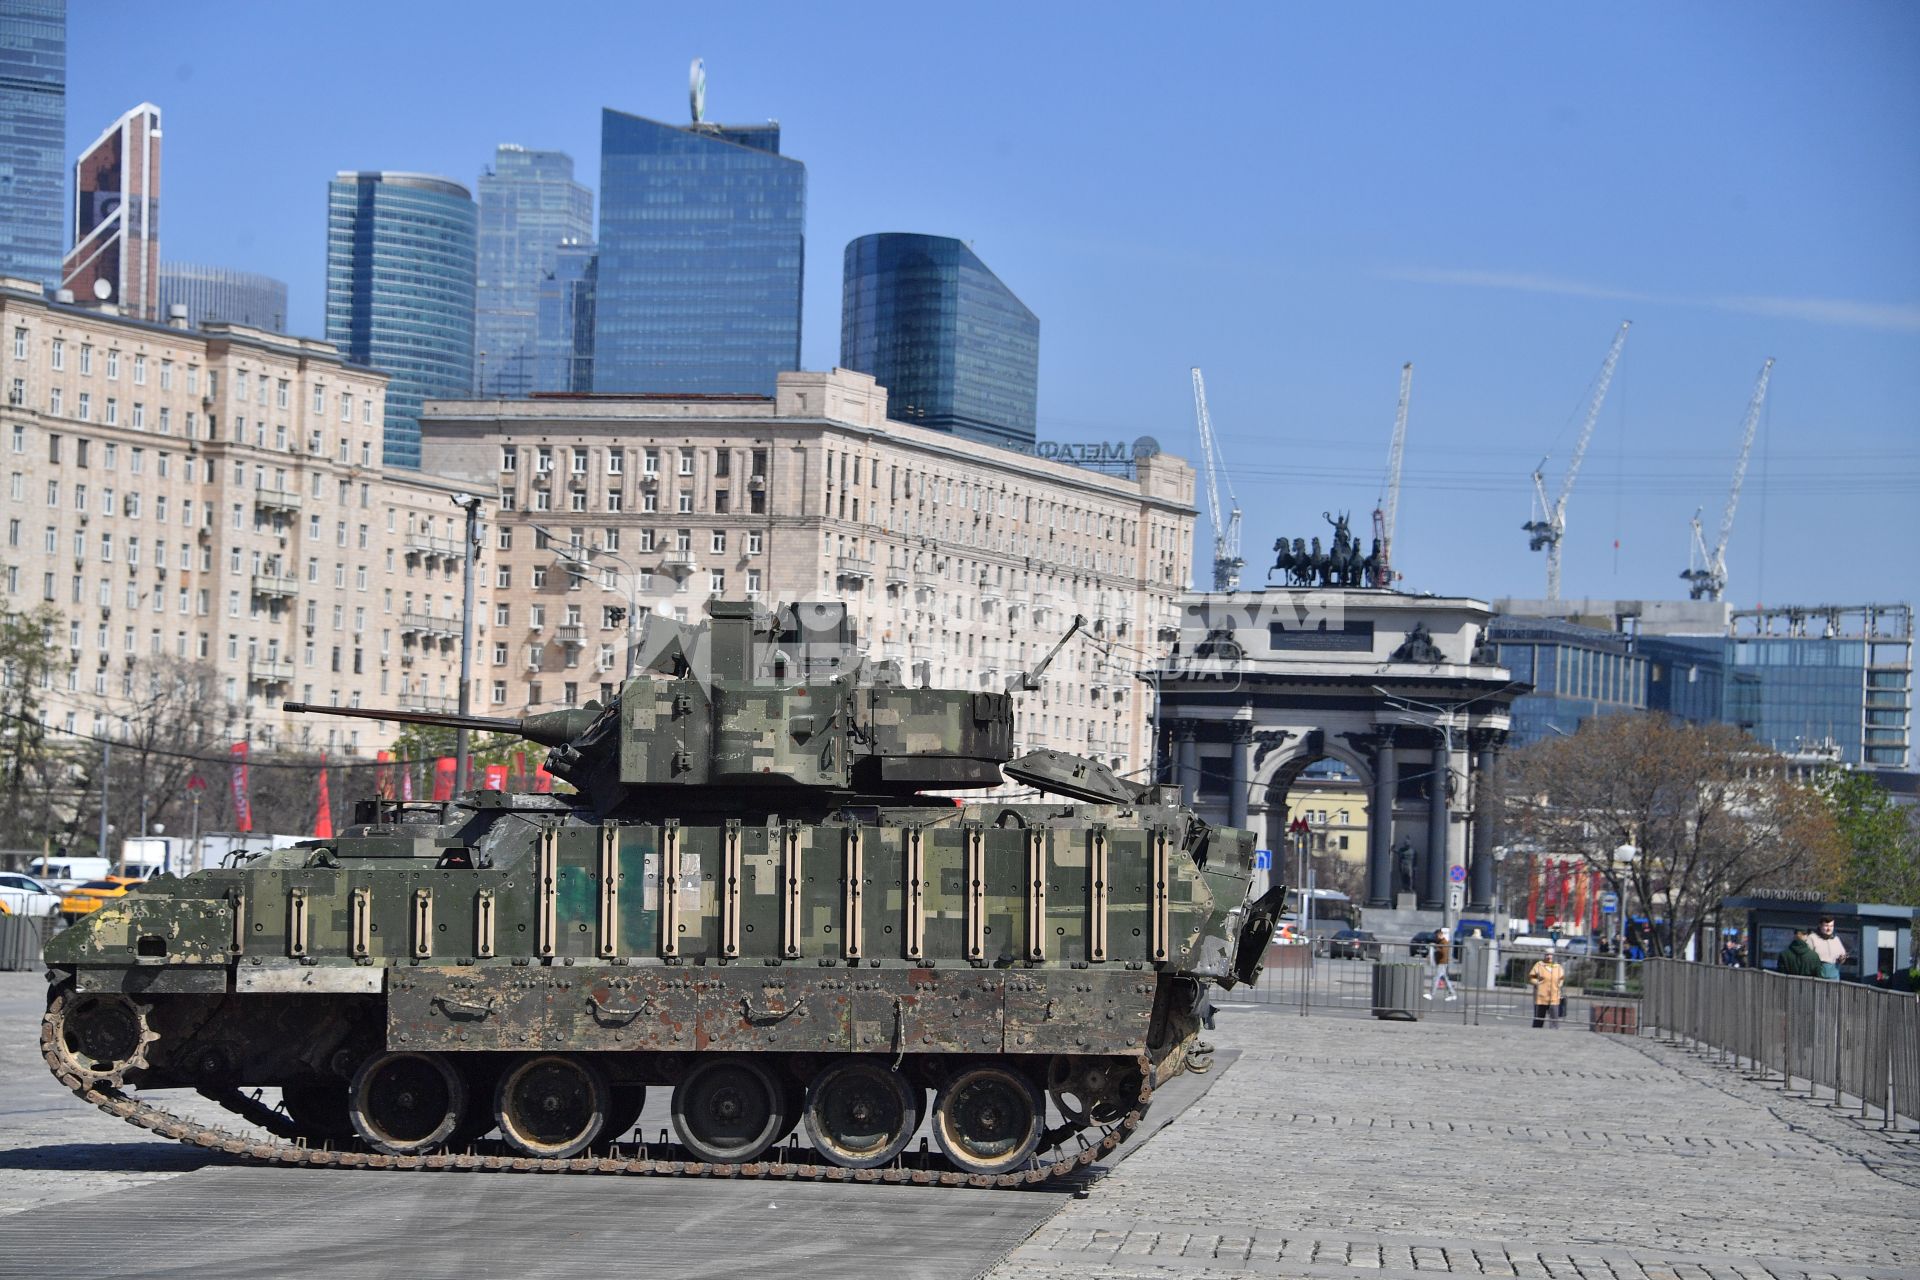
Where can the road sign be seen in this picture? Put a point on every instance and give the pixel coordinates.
(1456, 897)
(1263, 859)
(1609, 902)
(1457, 874)
(196, 783)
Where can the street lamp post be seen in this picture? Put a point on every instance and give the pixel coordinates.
(1625, 853)
(471, 504)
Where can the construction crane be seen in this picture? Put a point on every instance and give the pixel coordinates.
(1706, 571)
(1549, 523)
(1226, 532)
(1389, 504)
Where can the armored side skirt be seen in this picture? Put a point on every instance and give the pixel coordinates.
(893, 1010)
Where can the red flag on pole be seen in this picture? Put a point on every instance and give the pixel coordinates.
(443, 771)
(518, 782)
(406, 777)
(495, 778)
(383, 775)
(242, 798)
(542, 781)
(323, 820)
(1533, 894)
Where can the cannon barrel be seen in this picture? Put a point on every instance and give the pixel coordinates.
(549, 729)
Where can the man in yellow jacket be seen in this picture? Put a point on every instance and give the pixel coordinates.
(1548, 979)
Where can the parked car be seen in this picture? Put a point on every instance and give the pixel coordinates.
(1353, 944)
(90, 896)
(1422, 943)
(1581, 946)
(26, 896)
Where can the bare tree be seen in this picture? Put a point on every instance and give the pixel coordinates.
(32, 762)
(1709, 812)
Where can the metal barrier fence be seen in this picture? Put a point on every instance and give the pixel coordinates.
(1487, 983)
(21, 940)
(1850, 1039)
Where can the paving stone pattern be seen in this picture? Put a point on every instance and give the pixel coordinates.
(1343, 1147)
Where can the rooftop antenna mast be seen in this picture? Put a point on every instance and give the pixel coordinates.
(1226, 532)
(1706, 572)
(1389, 505)
(1549, 523)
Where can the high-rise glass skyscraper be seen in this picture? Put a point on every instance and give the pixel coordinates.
(955, 349)
(563, 324)
(221, 295)
(33, 138)
(400, 269)
(702, 243)
(529, 206)
(116, 217)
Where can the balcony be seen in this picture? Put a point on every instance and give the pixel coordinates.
(269, 671)
(274, 587)
(679, 560)
(429, 549)
(571, 633)
(435, 703)
(855, 567)
(276, 499)
(897, 576)
(428, 627)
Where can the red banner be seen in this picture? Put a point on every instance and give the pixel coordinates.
(1533, 894)
(518, 780)
(542, 781)
(242, 797)
(406, 777)
(323, 819)
(383, 775)
(495, 778)
(443, 771)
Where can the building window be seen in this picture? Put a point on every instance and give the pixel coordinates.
(650, 462)
(139, 371)
(539, 575)
(686, 462)
(499, 693)
(509, 457)
(616, 462)
(719, 544)
(753, 544)
(683, 503)
(59, 354)
(503, 577)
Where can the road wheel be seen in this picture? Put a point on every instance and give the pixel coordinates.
(552, 1105)
(988, 1119)
(861, 1114)
(729, 1110)
(406, 1104)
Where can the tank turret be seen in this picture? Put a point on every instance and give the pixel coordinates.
(757, 699)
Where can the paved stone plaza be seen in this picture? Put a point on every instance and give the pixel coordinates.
(1343, 1146)
(1327, 1146)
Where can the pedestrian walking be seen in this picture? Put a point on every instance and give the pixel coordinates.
(1548, 979)
(1827, 945)
(1442, 955)
(1798, 958)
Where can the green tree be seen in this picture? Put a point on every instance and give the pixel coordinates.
(1882, 847)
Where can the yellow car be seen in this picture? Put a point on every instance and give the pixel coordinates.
(83, 898)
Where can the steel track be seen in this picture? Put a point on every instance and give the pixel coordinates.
(616, 1158)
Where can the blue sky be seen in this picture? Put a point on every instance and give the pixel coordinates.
(1296, 199)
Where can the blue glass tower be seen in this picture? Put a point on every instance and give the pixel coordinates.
(702, 243)
(563, 321)
(955, 349)
(529, 206)
(33, 138)
(400, 271)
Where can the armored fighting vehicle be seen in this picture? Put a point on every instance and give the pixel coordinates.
(757, 897)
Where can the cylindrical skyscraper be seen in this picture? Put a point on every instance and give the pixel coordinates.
(400, 290)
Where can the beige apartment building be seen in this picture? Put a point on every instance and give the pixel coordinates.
(218, 495)
(962, 562)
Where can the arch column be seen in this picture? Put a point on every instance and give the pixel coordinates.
(1186, 758)
(1386, 781)
(1485, 830)
(1242, 773)
(1433, 885)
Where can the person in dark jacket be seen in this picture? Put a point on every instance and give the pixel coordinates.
(1799, 959)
